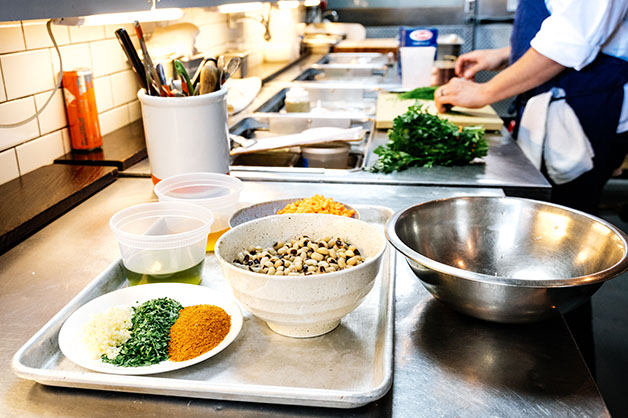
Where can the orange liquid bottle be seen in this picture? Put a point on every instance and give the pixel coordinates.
(80, 105)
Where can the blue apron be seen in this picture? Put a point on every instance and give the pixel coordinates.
(596, 95)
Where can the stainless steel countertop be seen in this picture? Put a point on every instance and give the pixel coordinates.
(506, 167)
(445, 364)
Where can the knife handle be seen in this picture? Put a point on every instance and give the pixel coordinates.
(131, 54)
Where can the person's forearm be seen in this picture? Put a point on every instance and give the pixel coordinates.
(531, 70)
(505, 56)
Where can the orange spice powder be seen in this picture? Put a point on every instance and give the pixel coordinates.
(317, 204)
(198, 329)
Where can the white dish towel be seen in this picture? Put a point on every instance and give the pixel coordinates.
(551, 131)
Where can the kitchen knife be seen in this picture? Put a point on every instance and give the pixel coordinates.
(131, 55)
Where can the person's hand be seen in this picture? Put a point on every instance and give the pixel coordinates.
(460, 92)
(468, 65)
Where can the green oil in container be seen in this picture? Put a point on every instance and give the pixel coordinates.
(143, 270)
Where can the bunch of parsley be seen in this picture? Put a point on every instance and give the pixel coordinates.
(420, 139)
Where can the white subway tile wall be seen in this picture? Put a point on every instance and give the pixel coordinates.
(39, 152)
(27, 73)
(104, 94)
(107, 57)
(113, 119)
(135, 111)
(3, 96)
(12, 38)
(73, 56)
(67, 147)
(36, 34)
(14, 111)
(126, 87)
(86, 33)
(29, 68)
(53, 117)
(8, 165)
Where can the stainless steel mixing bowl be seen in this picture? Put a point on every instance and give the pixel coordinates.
(507, 259)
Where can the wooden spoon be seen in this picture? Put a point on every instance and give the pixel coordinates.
(209, 78)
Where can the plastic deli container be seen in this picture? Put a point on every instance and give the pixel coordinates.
(219, 193)
(328, 155)
(297, 100)
(162, 241)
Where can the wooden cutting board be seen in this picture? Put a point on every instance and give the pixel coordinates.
(389, 106)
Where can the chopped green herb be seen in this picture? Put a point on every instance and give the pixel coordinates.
(150, 334)
(420, 139)
(421, 93)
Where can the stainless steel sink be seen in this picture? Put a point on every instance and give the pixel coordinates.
(263, 125)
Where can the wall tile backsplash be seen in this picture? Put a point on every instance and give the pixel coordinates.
(39, 152)
(12, 38)
(26, 73)
(29, 69)
(8, 165)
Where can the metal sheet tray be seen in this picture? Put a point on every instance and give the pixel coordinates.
(348, 367)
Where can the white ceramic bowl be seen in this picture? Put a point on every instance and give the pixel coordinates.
(301, 306)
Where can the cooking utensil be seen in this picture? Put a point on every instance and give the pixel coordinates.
(186, 83)
(232, 66)
(148, 63)
(507, 259)
(242, 141)
(197, 74)
(209, 78)
(220, 64)
(133, 58)
(161, 74)
(307, 137)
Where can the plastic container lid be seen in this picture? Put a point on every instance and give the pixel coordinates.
(211, 190)
(161, 225)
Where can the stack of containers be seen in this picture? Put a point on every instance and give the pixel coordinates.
(220, 193)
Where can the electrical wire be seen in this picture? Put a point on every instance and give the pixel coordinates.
(25, 121)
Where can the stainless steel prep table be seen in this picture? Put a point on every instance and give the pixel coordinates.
(445, 364)
(506, 167)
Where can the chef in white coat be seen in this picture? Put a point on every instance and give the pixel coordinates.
(578, 46)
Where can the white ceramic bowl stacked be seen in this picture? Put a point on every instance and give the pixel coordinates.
(301, 306)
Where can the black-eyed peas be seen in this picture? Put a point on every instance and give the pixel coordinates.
(300, 256)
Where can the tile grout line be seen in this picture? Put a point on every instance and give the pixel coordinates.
(4, 84)
(17, 161)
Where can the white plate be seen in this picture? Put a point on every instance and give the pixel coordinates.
(71, 339)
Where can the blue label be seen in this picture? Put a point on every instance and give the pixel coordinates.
(417, 36)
